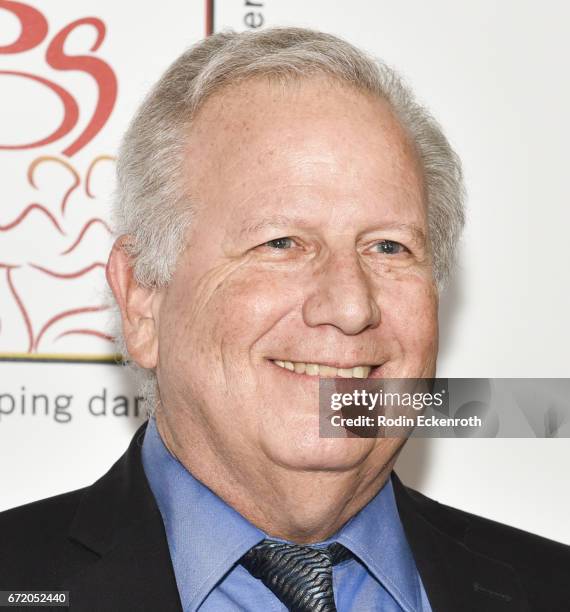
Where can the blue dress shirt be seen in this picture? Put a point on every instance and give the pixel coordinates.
(206, 538)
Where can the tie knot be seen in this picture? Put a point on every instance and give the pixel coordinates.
(272, 552)
(300, 576)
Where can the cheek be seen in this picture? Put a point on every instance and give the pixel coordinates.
(409, 312)
(228, 312)
(246, 308)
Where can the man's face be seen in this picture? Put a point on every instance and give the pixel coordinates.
(309, 246)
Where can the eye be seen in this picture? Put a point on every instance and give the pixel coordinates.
(280, 243)
(390, 247)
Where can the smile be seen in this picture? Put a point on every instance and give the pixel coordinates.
(324, 371)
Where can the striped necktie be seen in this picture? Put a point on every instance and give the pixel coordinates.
(300, 576)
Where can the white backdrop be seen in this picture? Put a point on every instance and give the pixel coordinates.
(494, 74)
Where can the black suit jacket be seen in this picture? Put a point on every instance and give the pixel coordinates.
(106, 544)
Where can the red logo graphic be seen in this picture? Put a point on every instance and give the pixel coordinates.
(34, 30)
(54, 238)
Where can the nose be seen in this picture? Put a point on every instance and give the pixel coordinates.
(342, 296)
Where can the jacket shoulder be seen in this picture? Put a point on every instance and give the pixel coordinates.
(543, 565)
(493, 537)
(33, 540)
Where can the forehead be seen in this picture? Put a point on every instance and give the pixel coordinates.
(265, 139)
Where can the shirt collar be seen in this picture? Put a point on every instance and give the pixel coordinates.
(206, 536)
(387, 555)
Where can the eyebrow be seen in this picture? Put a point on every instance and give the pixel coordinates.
(252, 226)
(415, 230)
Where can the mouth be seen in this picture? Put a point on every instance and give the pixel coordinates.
(326, 371)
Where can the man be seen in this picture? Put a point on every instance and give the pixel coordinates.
(287, 213)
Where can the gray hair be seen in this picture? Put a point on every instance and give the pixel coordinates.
(152, 205)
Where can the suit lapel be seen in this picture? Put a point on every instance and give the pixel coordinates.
(454, 575)
(119, 521)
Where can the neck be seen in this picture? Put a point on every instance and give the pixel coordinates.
(301, 506)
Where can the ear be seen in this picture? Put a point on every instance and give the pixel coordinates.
(138, 305)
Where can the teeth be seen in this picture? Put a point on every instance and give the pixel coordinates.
(312, 369)
(327, 371)
(324, 371)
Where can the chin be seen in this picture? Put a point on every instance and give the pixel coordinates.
(307, 451)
